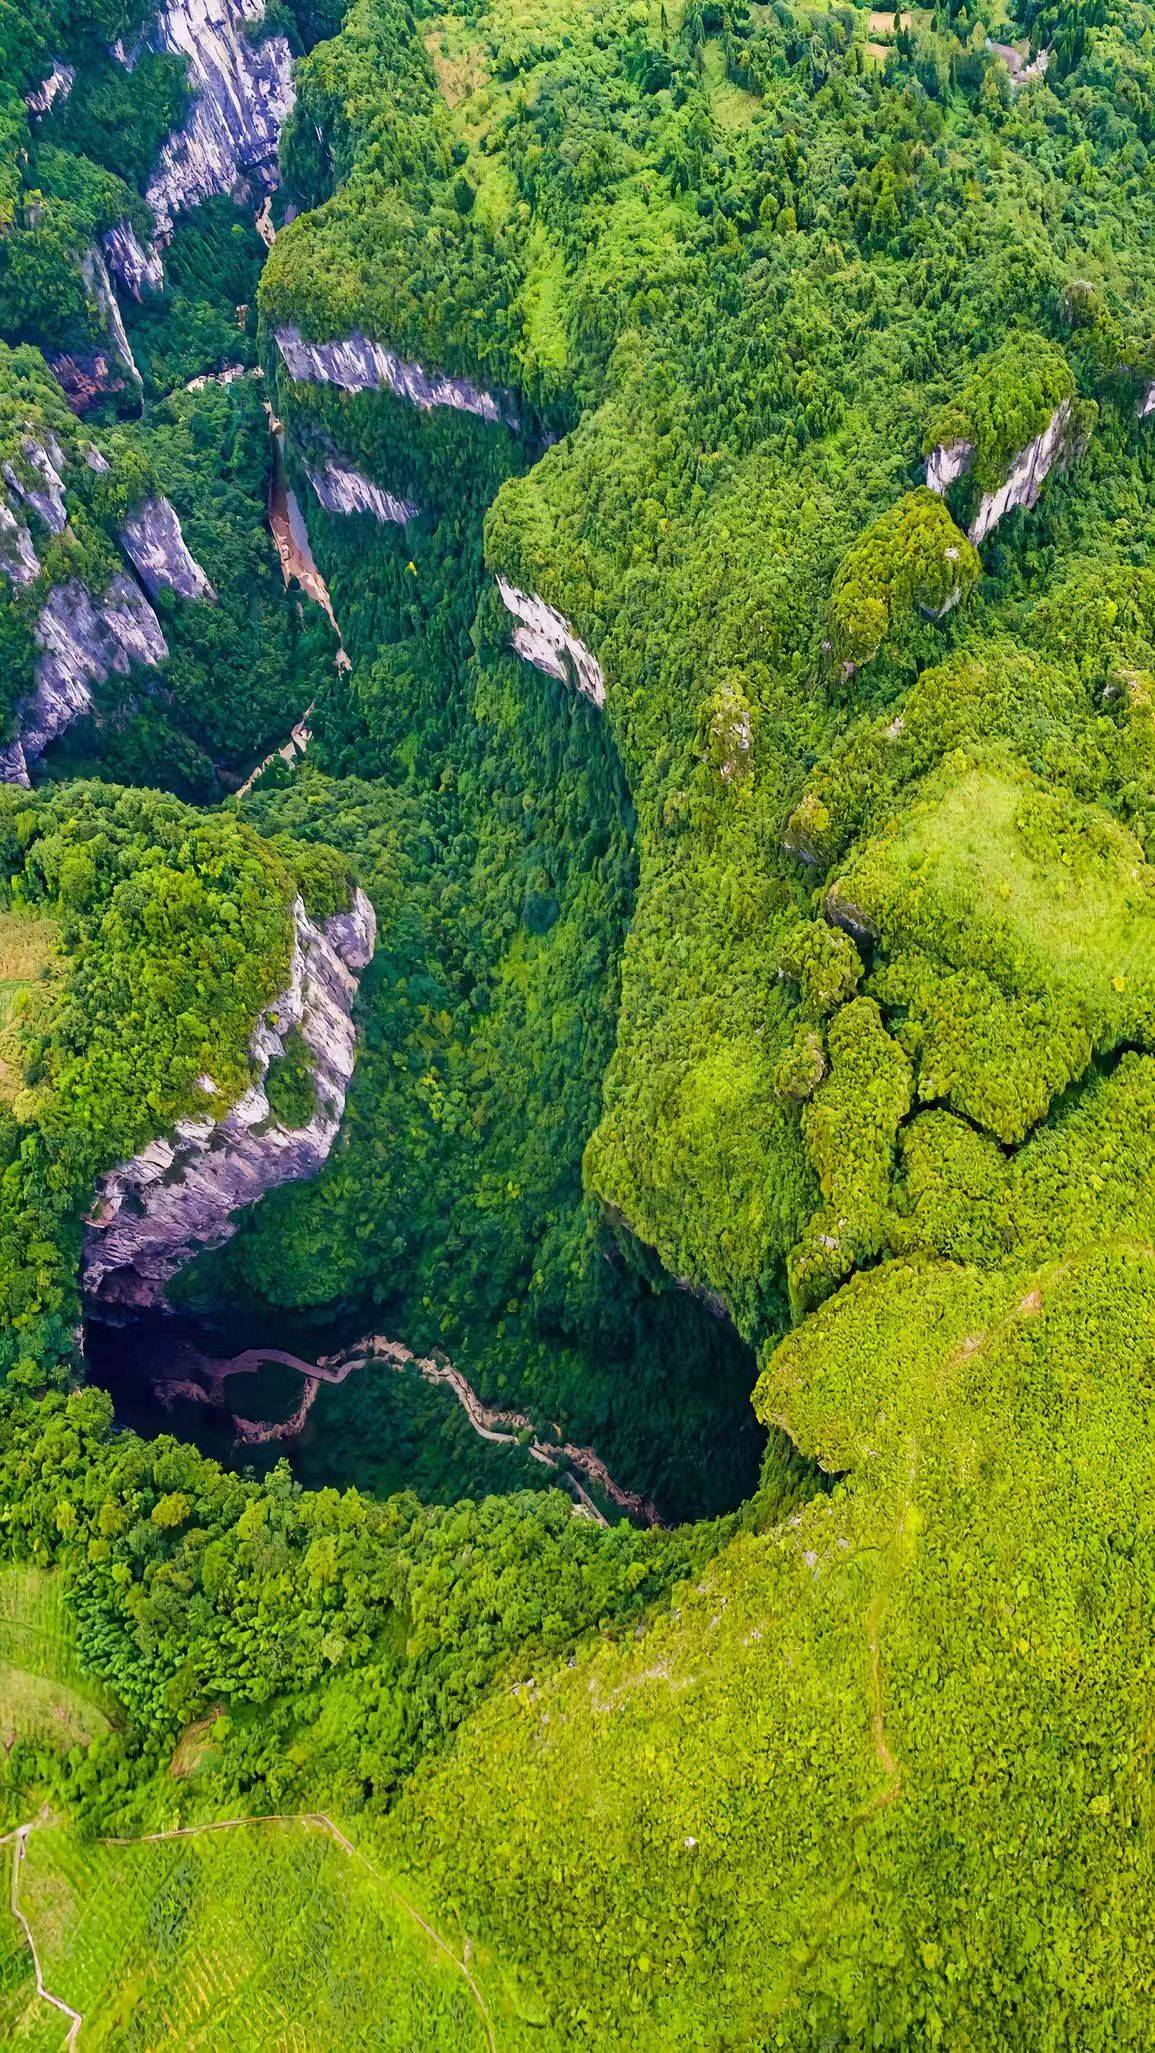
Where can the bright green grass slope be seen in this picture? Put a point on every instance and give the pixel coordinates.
(272, 1934)
(46, 1695)
(882, 1777)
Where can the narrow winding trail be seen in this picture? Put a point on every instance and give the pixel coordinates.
(503, 1427)
(317, 1821)
(19, 1839)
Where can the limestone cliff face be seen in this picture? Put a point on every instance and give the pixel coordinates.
(96, 277)
(1028, 474)
(242, 93)
(359, 365)
(180, 1195)
(82, 641)
(946, 463)
(35, 485)
(341, 490)
(153, 540)
(1025, 480)
(137, 270)
(56, 86)
(1147, 403)
(545, 638)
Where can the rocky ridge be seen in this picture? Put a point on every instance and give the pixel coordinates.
(358, 365)
(544, 637)
(179, 1195)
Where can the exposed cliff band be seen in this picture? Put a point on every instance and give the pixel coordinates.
(1025, 480)
(98, 284)
(545, 638)
(153, 539)
(341, 490)
(242, 94)
(136, 268)
(83, 639)
(34, 485)
(180, 1195)
(56, 86)
(358, 365)
(82, 642)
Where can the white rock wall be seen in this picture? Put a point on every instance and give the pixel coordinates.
(242, 94)
(545, 638)
(82, 642)
(1028, 473)
(152, 538)
(1025, 480)
(179, 1195)
(134, 267)
(341, 490)
(358, 365)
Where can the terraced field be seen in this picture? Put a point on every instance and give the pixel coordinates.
(264, 1933)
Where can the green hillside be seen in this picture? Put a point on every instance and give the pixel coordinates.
(669, 490)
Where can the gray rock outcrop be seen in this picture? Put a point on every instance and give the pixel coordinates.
(1024, 481)
(545, 638)
(152, 538)
(96, 277)
(33, 484)
(82, 642)
(181, 1195)
(1023, 70)
(135, 267)
(242, 94)
(358, 365)
(1027, 476)
(18, 559)
(1147, 403)
(56, 86)
(946, 463)
(342, 490)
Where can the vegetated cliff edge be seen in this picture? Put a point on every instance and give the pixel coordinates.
(242, 94)
(179, 1195)
(83, 638)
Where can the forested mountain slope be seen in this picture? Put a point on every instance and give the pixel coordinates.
(719, 876)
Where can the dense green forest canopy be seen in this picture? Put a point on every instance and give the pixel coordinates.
(756, 1070)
